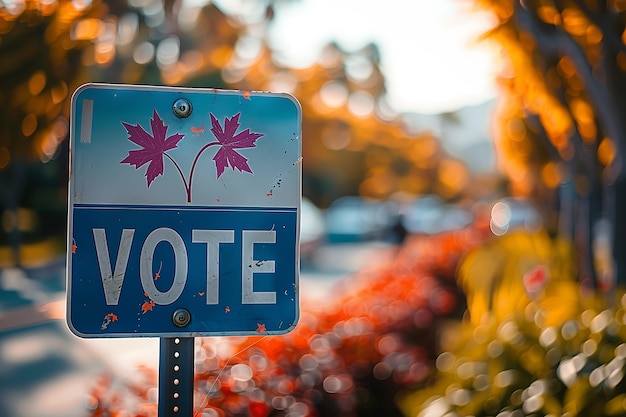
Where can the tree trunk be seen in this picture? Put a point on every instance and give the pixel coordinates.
(616, 205)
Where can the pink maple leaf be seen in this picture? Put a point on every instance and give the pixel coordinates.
(230, 140)
(153, 146)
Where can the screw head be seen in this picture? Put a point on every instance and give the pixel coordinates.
(181, 317)
(182, 108)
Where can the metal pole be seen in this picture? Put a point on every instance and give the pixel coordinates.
(176, 373)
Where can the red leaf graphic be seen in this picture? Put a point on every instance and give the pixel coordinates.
(153, 146)
(231, 140)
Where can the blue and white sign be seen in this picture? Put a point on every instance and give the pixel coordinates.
(184, 209)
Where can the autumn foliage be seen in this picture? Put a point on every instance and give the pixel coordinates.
(560, 129)
(353, 350)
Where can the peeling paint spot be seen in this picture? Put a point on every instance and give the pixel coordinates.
(246, 94)
(201, 293)
(74, 246)
(227, 309)
(197, 130)
(260, 328)
(147, 306)
(108, 319)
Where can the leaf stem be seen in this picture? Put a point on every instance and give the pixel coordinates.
(193, 167)
(182, 177)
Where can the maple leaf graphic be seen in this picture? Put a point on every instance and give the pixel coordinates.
(153, 146)
(230, 140)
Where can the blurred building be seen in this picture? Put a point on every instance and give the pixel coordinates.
(464, 133)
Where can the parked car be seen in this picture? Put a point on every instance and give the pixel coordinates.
(430, 215)
(312, 228)
(356, 219)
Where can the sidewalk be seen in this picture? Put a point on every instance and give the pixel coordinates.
(45, 371)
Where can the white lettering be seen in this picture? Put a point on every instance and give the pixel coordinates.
(112, 282)
(212, 238)
(157, 236)
(113, 279)
(250, 266)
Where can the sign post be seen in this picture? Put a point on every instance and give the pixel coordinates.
(183, 219)
(176, 358)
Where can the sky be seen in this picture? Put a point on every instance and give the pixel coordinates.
(431, 59)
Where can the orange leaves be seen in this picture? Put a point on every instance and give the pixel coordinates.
(373, 335)
(575, 21)
(606, 151)
(549, 14)
(147, 306)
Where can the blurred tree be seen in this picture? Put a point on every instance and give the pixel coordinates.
(561, 123)
(355, 144)
(39, 65)
(48, 48)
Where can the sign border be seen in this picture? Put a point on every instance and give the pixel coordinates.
(80, 136)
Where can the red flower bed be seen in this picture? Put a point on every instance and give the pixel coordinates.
(373, 336)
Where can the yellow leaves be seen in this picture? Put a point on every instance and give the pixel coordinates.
(559, 302)
(576, 397)
(616, 406)
(492, 276)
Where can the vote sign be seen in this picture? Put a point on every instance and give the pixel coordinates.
(184, 209)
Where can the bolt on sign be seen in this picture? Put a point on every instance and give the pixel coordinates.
(184, 212)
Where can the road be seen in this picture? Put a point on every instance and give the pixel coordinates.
(46, 371)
